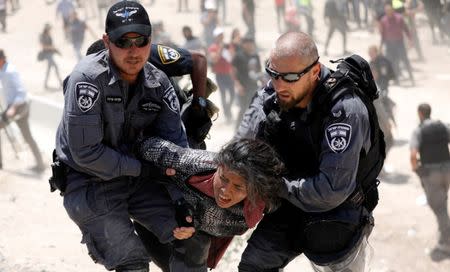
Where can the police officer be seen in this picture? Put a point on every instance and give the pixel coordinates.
(111, 99)
(330, 150)
(430, 142)
(175, 62)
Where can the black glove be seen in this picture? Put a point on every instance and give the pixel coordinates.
(197, 123)
(269, 129)
(182, 210)
(151, 171)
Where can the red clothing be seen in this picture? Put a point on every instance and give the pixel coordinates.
(222, 66)
(279, 3)
(392, 28)
(252, 214)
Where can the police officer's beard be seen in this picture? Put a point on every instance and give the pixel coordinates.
(287, 105)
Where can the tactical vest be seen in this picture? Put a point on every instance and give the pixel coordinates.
(433, 146)
(299, 139)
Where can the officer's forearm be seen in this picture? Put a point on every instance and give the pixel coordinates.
(318, 193)
(198, 75)
(105, 162)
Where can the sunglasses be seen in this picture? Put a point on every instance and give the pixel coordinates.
(289, 77)
(126, 43)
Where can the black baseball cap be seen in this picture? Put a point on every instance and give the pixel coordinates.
(127, 16)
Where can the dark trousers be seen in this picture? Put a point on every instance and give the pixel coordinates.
(24, 127)
(396, 53)
(103, 211)
(244, 102)
(281, 236)
(436, 183)
(3, 19)
(341, 26)
(226, 88)
(51, 64)
(192, 252)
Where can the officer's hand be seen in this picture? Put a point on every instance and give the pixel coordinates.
(271, 126)
(197, 123)
(149, 170)
(184, 213)
(183, 233)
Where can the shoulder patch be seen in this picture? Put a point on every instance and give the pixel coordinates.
(168, 54)
(171, 100)
(338, 136)
(87, 95)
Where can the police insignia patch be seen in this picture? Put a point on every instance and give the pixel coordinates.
(171, 100)
(338, 136)
(168, 54)
(87, 95)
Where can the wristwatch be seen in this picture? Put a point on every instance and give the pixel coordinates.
(199, 100)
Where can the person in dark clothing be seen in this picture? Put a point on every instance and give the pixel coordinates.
(382, 69)
(392, 28)
(229, 191)
(383, 73)
(330, 149)
(335, 16)
(112, 98)
(77, 30)
(47, 53)
(434, 11)
(248, 14)
(430, 159)
(247, 65)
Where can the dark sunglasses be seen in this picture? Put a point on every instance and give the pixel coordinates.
(125, 42)
(289, 77)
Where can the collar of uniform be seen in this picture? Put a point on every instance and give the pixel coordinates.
(324, 74)
(152, 75)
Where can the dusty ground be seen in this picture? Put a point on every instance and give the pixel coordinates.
(36, 235)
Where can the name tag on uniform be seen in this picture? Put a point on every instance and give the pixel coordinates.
(147, 105)
(114, 99)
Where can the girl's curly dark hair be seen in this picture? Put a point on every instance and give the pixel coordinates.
(259, 165)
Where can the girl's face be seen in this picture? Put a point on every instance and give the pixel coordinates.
(229, 187)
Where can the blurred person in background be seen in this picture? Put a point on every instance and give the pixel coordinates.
(48, 50)
(434, 12)
(3, 15)
(222, 7)
(305, 9)
(248, 15)
(15, 5)
(246, 65)
(383, 73)
(412, 8)
(17, 108)
(64, 9)
(392, 27)
(220, 58)
(77, 30)
(182, 3)
(334, 15)
(280, 7)
(430, 159)
(209, 20)
(192, 42)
